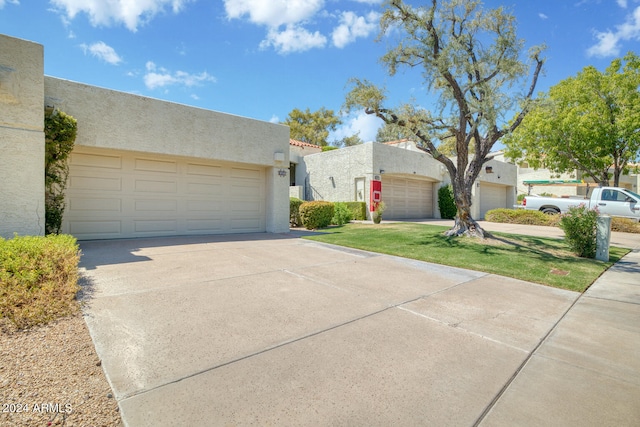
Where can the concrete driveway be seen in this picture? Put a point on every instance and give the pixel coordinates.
(267, 329)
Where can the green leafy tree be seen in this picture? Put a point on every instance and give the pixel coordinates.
(470, 57)
(392, 132)
(352, 140)
(590, 122)
(312, 127)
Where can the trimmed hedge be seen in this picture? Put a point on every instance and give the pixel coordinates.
(294, 212)
(358, 210)
(38, 279)
(521, 216)
(316, 214)
(341, 214)
(527, 217)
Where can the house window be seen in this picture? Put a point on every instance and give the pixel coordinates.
(292, 174)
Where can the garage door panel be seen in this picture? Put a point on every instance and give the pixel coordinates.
(205, 206)
(204, 225)
(95, 205)
(492, 197)
(211, 189)
(155, 186)
(155, 226)
(96, 161)
(145, 165)
(407, 198)
(102, 229)
(245, 225)
(206, 170)
(145, 206)
(95, 183)
(253, 174)
(134, 195)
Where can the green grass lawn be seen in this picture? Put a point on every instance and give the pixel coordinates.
(534, 259)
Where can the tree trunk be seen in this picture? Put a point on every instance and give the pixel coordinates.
(464, 224)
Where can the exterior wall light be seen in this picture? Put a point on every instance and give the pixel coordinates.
(488, 169)
(282, 173)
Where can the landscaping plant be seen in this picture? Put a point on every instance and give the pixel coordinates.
(358, 210)
(376, 216)
(341, 214)
(38, 279)
(580, 226)
(294, 211)
(317, 214)
(60, 131)
(446, 202)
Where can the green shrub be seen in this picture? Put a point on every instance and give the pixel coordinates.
(579, 225)
(341, 214)
(358, 210)
(521, 198)
(328, 148)
(294, 211)
(521, 216)
(316, 214)
(38, 279)
(446, 202)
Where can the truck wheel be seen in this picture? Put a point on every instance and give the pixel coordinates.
(550, 211)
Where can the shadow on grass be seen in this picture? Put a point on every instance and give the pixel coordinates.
(545, 250)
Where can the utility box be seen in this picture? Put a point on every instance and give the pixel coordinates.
(603, 237)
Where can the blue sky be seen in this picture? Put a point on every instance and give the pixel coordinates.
(262, 58)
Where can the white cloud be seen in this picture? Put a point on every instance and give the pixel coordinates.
(274, 119)
(363, 124)
(609, 41)
(131, 13)
(293, 39)
(273, 13)
(542, 16)
(3, 2)
(157, 77)
(102, 51)
(353, 26)
(622, 3)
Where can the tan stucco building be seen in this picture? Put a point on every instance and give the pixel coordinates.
(140, 166)
(409, 179)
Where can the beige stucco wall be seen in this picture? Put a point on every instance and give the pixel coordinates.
(21, 137)
(122, 121)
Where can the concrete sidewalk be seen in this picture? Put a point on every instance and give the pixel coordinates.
(276, 330)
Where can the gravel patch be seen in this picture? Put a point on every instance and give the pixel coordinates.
(51, 375)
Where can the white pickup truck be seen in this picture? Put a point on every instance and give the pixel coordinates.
(609, 200)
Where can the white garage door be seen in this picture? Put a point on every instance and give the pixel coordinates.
(407, 198)
(117, 194)
(492, 197)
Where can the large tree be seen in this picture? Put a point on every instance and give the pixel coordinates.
(471, 57)
(312, 127)
(590, 122)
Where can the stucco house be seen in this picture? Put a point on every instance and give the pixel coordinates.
(409, 179)
(140, 167)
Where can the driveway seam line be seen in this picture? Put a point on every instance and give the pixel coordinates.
(524, 363)
(257, 353)
(463, 329)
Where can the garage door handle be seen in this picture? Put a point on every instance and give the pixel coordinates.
(602, 204)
